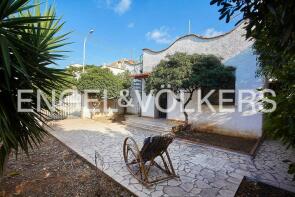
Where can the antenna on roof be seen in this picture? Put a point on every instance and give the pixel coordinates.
(189, 26)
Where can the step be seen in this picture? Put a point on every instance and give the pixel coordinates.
(149, 123)
(155, 122)
(147, 126)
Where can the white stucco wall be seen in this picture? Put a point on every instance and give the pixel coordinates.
(149, 108)
(116, 71)
(234, 51)
(226, 47)
(135, 109)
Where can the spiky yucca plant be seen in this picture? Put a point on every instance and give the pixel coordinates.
(29, 43)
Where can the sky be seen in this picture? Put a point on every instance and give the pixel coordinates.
(122, 28)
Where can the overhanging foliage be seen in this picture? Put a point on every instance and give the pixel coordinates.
(28, 44)
(271, 24)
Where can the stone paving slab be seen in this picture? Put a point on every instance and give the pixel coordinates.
(203, 171)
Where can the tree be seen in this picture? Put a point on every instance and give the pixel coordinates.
(125, 79)
(101, 79)
(271, 24)
(28, 45)
(187, 73)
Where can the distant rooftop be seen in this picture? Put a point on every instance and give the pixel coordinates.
(75, 65)
(121, 64)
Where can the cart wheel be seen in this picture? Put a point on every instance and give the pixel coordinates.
(133, 159)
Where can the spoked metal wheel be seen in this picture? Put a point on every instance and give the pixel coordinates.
(133, 159)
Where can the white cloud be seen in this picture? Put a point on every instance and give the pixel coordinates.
(118, 6)
(131, 25)
(211, 32)
(160, 35)
(123, 6)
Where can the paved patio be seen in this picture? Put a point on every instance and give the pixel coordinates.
(203, 171)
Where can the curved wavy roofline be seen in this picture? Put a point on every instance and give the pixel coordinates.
(196, 36)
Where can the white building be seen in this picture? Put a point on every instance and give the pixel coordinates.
(121, 66)
(235, 51)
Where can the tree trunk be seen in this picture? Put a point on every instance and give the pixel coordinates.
(185, 118)
(5, 161)
(184, 106)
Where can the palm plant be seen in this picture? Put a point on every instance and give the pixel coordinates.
(29, 44)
